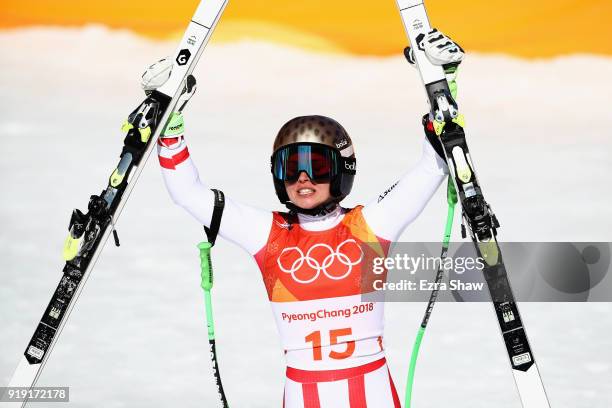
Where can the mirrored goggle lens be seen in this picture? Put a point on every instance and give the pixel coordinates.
(319, 162)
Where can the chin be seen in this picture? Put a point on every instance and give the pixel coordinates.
(307, 203)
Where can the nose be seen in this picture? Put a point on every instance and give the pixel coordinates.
(304, 177)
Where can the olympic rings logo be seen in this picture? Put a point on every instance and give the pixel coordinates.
(314, 263)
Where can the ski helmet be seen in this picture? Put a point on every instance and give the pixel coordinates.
(318, 133)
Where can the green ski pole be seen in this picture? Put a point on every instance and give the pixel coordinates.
(451, 197)
(207, 284)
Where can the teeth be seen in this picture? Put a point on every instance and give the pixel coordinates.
(304, 191)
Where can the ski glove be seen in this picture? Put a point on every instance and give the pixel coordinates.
(174, 130)
(155, 76)
(158, 73)
(439, 50)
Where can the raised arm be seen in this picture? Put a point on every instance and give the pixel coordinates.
(398, 206)
(401, 204)
(242, 224)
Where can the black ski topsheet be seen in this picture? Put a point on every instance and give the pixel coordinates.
(88, 232)
(478, 218)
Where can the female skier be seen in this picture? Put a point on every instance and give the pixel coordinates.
(310, 256)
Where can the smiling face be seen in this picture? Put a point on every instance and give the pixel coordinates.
(307, 194)
(311, 155)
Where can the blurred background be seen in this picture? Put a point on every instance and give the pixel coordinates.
(534, 88)
(536, 29)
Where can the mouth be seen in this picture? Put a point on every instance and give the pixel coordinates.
(305, 191)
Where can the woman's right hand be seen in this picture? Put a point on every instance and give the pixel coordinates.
(156, 75)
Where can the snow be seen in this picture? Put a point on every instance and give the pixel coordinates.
(539, 132)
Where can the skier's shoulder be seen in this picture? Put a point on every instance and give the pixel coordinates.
(353, 210)
(283, 219)
(353, 214)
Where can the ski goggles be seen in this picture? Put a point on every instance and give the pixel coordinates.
(320, 162)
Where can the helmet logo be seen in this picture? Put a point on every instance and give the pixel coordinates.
(350, 166)
(342, 143)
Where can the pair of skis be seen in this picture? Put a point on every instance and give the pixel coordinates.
(478, 218)
(89, 231)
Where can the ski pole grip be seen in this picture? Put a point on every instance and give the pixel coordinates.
(206, 265)
(451, 192)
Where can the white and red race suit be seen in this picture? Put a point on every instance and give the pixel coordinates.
(311, 267)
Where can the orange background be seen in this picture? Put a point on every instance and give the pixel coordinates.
(538, 28)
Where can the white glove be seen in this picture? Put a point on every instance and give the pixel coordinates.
(156, 75)
(439, 50)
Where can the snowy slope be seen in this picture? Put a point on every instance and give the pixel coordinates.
(539, 132)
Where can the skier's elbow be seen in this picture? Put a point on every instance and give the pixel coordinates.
(182, 200)
(189, 196)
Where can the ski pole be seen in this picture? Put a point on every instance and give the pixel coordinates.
(207, 284)
(451, 197)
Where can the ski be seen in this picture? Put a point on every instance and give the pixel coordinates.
(478, 218)
(89, 231)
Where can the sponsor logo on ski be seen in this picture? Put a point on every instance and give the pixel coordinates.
(508, 316)
(35, 352)
(521, 359)
(183, 56)
(54, 312)
(192, 40)
(417, 24)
